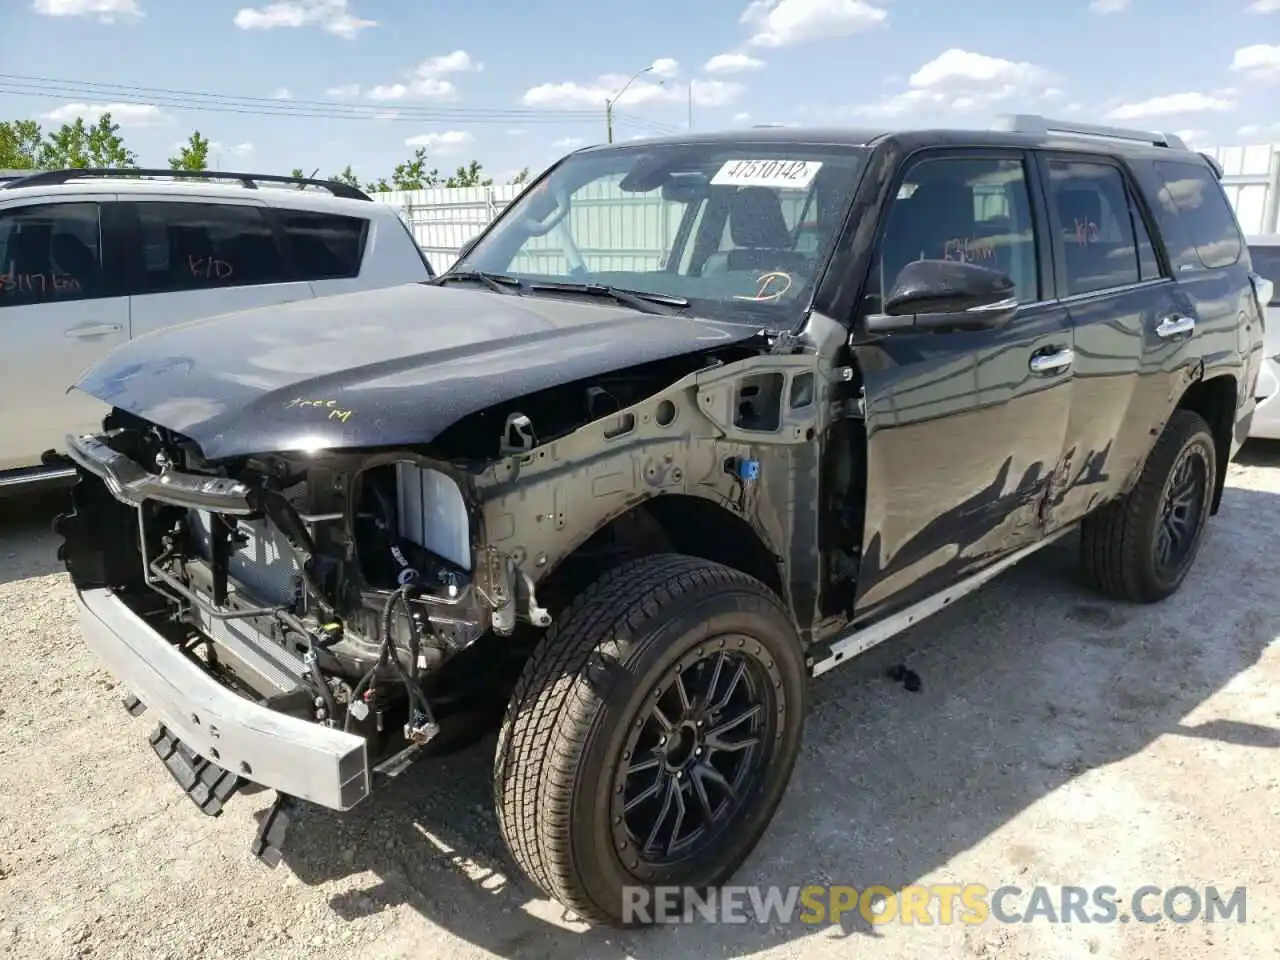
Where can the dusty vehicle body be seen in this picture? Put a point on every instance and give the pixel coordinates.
(323, 547)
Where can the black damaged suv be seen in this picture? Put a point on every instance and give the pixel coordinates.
(693, 420)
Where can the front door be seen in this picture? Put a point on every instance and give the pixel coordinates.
(61, 312)
(965, 430)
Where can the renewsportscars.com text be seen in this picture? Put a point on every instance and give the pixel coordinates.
(930, 904)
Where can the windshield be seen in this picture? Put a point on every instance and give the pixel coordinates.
(741, 231)
(1266, 263)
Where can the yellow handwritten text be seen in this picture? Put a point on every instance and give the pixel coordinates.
(335, 412)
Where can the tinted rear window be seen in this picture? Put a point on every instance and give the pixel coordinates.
(325, 246)
(1266, 261)
(1193, 207)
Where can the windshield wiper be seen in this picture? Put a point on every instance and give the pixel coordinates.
(656, 303)
(497, 282)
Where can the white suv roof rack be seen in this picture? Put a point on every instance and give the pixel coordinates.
(1036, 124)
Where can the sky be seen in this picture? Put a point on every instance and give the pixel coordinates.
(320, 84)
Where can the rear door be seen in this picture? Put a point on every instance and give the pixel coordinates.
(1131, 325)
(62, 309)
(965, 430)
(195, 258)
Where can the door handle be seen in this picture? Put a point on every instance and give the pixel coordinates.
(86, 330)
(1055, 362)
(1175, 326)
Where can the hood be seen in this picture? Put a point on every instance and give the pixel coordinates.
(387, 367)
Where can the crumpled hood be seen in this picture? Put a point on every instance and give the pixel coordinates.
(377, 368)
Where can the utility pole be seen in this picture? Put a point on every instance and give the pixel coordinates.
(608, 104)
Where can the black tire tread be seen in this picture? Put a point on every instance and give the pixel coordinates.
(550, 713)
(1113, 537)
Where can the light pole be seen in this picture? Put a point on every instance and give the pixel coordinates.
(608, 104)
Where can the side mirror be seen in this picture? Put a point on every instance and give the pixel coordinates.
(468, 246)
(946, 294)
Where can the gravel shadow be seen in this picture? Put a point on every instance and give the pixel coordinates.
(28, 520)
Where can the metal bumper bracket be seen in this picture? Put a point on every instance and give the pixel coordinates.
(207, 784)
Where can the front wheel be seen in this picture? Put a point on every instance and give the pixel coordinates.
(1142, 546)
(651, 737)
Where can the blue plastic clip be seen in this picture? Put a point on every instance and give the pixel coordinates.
(749, 469)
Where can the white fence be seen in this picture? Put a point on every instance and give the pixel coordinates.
(445, 218)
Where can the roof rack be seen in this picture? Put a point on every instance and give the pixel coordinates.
(249, 180)
(1036, 124)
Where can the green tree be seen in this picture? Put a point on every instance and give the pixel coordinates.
(192, 155)
(80, 146)
(413, 174)
(20, 143)
(520, 178)
(347, 176)
(469, 176)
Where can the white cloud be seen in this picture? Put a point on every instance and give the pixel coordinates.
(665, 68)
(568, 143)
(781, 23)
(1257, 62)
(103, 10)
(965, 81)
(1192, 138)
(447, 141)
(1108, 6)
(741, 117)
(1171, 105)
(1264, 6)
(426, 80)
(732, 63)
(331, 16)
(281, 93)
(1261, 130)
(391, 91)
(347, 90)
(706, 93)
(125, 114)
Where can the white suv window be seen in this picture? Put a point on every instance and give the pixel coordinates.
(325, 246)
(202, 246)
(50, 253)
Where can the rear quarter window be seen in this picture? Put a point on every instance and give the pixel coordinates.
(325, 246)
(1198, 224)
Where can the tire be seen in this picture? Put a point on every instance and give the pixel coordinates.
(582, 713)
(1121, 543)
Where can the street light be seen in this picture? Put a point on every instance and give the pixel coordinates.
(608, 104)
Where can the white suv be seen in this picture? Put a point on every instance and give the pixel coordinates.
(89, 259)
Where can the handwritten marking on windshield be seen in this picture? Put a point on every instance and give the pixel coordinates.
(770, 286)
(335, 412)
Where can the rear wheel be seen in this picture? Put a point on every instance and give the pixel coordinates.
(651, 736)
(1142, 546)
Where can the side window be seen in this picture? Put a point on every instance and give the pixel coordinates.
(1192, 197)
(959, 208)
(1095, 227)
(203, 246)
(1148, 263)
(50, 253)
(324, 246)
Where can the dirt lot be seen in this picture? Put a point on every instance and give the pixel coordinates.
(1058, 739)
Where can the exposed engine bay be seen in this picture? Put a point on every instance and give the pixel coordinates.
(356, 567)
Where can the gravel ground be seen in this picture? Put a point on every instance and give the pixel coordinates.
(1058, 739)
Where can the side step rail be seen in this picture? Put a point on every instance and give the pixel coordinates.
(861, 639)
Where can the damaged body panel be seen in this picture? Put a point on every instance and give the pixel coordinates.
(620, 506)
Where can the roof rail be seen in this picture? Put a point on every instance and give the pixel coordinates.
(249, 180)
(1034, 123)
